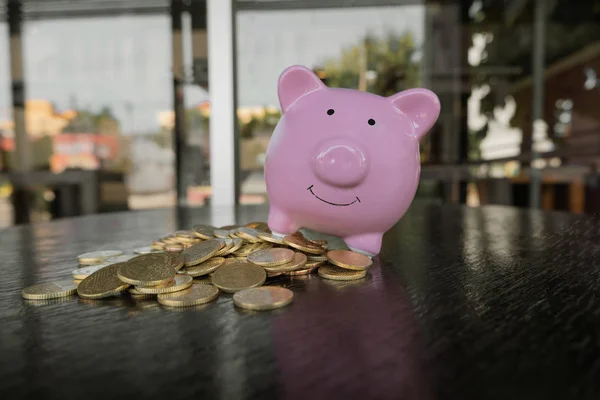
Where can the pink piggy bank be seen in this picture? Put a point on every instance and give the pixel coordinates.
(344, 162)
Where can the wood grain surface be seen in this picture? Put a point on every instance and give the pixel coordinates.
(489, 303)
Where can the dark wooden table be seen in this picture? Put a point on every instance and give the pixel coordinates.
(490, 303)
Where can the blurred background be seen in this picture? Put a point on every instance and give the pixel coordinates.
(110, 105)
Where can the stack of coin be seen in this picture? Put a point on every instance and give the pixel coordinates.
(191, 267)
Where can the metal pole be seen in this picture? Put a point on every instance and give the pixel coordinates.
(22, 161)
(221, 84)
(539, 42)
(237, 186)
(179, 128)
(199, 35)
(463, 97)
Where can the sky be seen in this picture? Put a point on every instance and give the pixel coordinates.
(91, 63)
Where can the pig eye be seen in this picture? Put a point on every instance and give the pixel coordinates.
(371, 122)
(330, 111)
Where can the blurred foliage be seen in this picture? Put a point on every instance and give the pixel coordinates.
(569, 29)
(195, 120)
(387, 64)
(390, 60)
(381, 65)
(263, 120)
(6, 189)
(163, 138)
(41, 150)
(91, 122)
(84, 122)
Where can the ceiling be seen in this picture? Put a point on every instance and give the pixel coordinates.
(56, 9)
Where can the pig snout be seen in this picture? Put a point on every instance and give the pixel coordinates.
(340, 164)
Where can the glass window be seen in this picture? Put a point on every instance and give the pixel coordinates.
(6, 211)
(99, 98)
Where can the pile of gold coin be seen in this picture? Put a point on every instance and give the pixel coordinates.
(192, 267)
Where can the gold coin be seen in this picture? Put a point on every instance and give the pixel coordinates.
(177, 261)
(82, 273)
(147, 270)
(204, 231)
(349, 260)
(222, 233)
(229, 227)
(203, 280)
(320, 243)
(145, 250)
(76, 282)
(156, 245)
(259, 226)
(257, 247)
(169, 239)
(103, 283)
(271, 257)
(181, 282)
(137, 295)
(174, 247)
(248, 234)
(301, 272)
(263, 245)
(194, 295)
(302, 245)
(50, 290)
(237, 243)
(320, 257)
(185, 241)
(187, 237)
(298, 262)
(340, 274)
(263, 298)
(201, 252)
(206, 267)
(134, 292)
(314, 264)
(269, 237)
(225, 249)
(237, 276)
(186, 234)
(96, 257)
(246, 249)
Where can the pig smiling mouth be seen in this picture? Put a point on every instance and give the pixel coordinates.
(330, 203)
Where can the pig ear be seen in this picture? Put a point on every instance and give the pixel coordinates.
(296, 81)
(421, 106)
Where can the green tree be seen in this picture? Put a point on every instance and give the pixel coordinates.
(91, 122)
(382, 66)
(569, 28)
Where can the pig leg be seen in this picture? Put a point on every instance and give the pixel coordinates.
(368, 244)
(280, 223)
